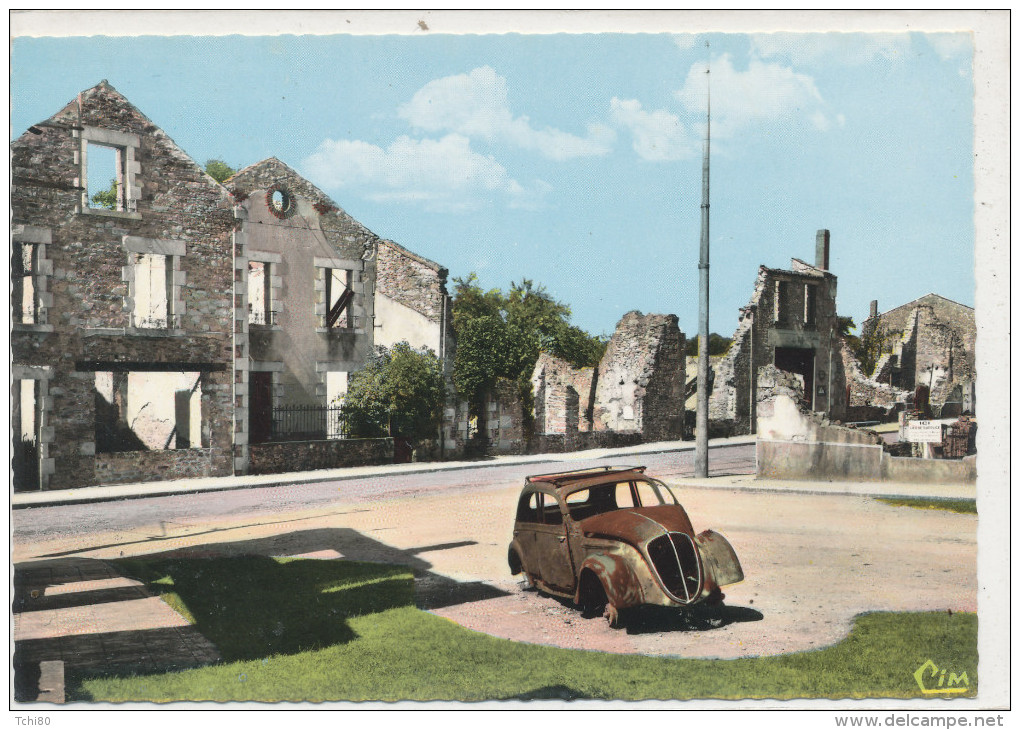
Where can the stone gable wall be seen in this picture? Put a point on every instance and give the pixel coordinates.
(89, 316)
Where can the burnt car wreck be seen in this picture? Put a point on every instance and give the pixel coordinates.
(612, 538)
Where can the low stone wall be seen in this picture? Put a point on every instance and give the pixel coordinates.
(279, 458)
(126, 467)
(558, 443)
(818, 461)
(939, 471)
(821, 461)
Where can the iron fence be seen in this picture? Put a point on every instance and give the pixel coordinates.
(309, 423)
(261, 317)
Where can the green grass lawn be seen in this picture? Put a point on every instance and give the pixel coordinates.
(323, 630)
(963, 506)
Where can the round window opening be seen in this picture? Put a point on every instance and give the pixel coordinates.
(279, 202)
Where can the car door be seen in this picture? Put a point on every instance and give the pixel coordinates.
(552, 547)
(529, 516)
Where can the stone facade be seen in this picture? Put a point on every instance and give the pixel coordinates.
(931, 342)
(152, 322)
(640, 381)
(790, 322)
(144, 286)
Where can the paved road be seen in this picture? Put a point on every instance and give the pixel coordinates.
(78, 522)
(812, 561)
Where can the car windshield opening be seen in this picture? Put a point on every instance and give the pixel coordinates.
(604, 498)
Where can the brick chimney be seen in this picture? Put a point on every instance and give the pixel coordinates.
(822, 250)
(874, 309)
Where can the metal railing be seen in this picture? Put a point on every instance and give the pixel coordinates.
(309, 423)
(262, 318)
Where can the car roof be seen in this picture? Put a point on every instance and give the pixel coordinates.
(581, 478)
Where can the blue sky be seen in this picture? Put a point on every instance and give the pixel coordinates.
(575, 160)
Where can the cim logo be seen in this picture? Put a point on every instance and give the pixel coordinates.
(927, 674)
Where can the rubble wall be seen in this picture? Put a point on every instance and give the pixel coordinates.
(639, 386)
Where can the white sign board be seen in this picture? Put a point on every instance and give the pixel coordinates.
(923, 432)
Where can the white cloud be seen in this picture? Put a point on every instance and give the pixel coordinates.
(658, 135)
(476, 105)
(849, 49)
(765, 92)
(443, 174)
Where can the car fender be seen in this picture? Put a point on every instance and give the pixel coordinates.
(622, 587)
(719, 558)
(515, 547)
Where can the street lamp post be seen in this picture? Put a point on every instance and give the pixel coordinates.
(701, 420)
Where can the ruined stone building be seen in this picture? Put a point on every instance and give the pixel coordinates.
(635, 393)
(159, 317)
(791, 323)
(122, 339)
(320, 291)
(927, 342)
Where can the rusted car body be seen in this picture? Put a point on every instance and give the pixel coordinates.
(611, 538)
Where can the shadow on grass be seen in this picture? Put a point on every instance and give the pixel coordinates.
(552, 692)
(254, 606)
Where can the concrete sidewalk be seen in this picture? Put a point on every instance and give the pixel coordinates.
(107, 493)
(740, 482)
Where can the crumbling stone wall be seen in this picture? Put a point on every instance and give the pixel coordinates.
(930, 341)
(640, 380)
(782, 416)
(564, 396)
(780, 315)
(867, 393)
(171, 204)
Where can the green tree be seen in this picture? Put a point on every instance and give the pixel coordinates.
(106, 198)
(218, 170)
(399, 392)
(717, 345)
(500, 335)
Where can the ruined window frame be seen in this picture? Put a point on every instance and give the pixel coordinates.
(782, 302)
(272, 288)
(40, 377)
(810, 305)
(323, 293)
(263, 315)
(126, 146)
(41, 269)
(110, 436)
(173, 252)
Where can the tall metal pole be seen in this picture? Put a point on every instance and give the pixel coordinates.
(701, 421)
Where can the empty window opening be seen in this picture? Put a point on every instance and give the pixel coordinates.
(280, 201)
(25, 419)
(104, 177)
(258, 293)
(153, 286)
(782, 313)
(148, 411)
(338, 298)
(25, 297)
(810, 303)
(336, 391)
